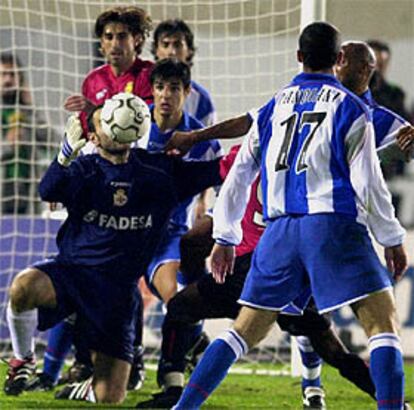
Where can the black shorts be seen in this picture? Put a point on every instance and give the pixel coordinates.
(310, 322)
(220, 300)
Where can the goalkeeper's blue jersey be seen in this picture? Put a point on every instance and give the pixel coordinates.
(117, 213)
(203, 151)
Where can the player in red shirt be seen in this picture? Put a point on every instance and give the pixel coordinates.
(122, 31)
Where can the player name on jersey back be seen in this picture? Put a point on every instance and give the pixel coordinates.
(309, 95)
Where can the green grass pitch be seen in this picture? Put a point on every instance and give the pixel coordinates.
(236, 392)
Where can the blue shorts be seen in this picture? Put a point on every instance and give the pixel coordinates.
(332, 254)
(105, 306)
(168, 250)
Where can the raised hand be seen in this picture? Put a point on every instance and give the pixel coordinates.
(72, 142)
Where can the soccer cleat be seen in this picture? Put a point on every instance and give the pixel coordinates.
(41, 382)
(314, 398)
(77, 391)
(407, 406)
(18, 375)
(164, 400)
(137, 375)
(76, 373)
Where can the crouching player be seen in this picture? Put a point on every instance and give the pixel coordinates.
(119, 202)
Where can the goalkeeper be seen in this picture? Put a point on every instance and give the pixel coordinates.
(102, 245)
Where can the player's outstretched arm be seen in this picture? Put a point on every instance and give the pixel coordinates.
(181, 142)
(193, 177)
(396, 259)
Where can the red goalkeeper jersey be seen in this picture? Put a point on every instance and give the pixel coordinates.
(252, 223)
(101, 84)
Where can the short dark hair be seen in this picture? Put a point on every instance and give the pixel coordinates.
(320, 45)
(12, 59)
(136, 19)
(379, 45)
(170, 27)
(169, 68)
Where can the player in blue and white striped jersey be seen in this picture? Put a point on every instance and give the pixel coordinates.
(174, 39)
(170, 81)
(322, 186)
(355, 70)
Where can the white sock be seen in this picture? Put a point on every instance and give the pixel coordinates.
(22, 327)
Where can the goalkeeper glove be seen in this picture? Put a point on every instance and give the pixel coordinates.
(72, 141)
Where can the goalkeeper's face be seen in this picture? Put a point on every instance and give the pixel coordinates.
(104, 143)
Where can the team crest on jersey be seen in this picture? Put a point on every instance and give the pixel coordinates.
(120, 197)
(129, 87)
(101, 94)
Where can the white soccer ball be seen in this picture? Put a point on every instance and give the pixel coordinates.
(125, 118)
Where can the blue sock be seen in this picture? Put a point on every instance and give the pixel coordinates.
(387, 371)
(311, 363)
(58, 346)
(212, 369)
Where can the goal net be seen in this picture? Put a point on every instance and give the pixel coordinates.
(245, 52)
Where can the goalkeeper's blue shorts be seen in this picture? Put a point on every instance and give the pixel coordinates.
(168, 250)
(105, 306)
(330, 253)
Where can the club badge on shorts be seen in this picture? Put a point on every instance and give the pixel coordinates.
(120, 197)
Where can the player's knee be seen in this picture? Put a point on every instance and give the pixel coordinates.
(168, 292)
(20, 297)
(253, 324)
(386, 323)
(180, 310)
(110, 395)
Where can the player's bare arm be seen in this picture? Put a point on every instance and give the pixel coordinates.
(181, 142)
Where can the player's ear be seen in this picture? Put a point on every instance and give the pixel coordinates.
(94, 138)
(299, 56)
(139, 40)
(187, 90)
(340, 58)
